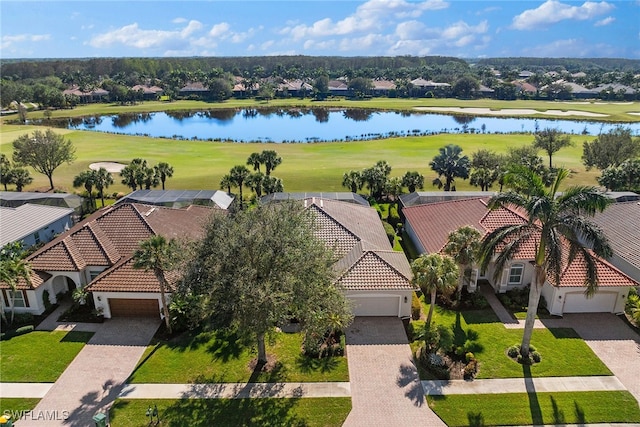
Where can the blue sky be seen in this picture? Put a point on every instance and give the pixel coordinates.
(470, 29)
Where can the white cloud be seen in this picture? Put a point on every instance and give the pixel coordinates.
(413, 37)
(134, 36)
(10, 41)
(368, 17)
(219, 30)
(606, 21)
(578, 48)
(552, 11)
(179, 20)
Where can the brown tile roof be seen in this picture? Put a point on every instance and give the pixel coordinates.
(433, 222)
(62, 256)
(37, 279)
(367, 260)
(574, 275)
(187, 222)
(124, 278)
(372, 272)
(125, 227)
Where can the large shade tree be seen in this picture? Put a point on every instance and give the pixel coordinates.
(449, 164)
(157, 254)
(611, 148)
(43, 151)
(462, 245)
(434, 273)
(271, 268)
(557, 226)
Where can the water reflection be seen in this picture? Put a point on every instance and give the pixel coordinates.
(317, 124)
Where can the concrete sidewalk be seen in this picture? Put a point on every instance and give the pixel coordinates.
(522, 385)
(24, 390)
(235, 390)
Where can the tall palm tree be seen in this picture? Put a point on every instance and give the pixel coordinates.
(352, 180)
(271, 184)
(557, 227)
(13, 267)
(462, 245)
(434, 273)
(5, 171)
(271, 160)
(449, 164)
(163, 170)
(255, 160)
(238, 175)
(85, 179)
(158, 254)
(226, 182)
(102, 179)
(255, 181)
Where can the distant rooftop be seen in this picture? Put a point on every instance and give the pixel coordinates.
(179, 198)
(424, 197)
(15, 198)
(21, 221)
(340, 196)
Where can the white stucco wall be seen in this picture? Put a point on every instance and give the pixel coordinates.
(101, 300)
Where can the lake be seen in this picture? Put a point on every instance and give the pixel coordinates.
(317, 124)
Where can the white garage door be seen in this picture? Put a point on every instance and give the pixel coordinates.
(602, 302)
(375, 305)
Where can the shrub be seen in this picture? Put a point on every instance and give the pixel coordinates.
(532, 348)
(409, 329)
(416, 307)
(15, 332)
(536, 356)
(470, 369)
(391, 232)
(393, 218)
(469, 357)
(513, 351)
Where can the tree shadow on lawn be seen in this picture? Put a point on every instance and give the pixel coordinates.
(479, 316)
(308, 364)
(560, 333)
(77, 336)
(466, 339)
(534, 403)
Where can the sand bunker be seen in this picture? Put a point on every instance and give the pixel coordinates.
(509, 112)
(112, 167)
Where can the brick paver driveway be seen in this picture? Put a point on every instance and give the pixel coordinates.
(385, 388)
(95, 377)
(617, 345)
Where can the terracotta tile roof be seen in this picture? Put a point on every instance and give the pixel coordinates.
(125, 227)
(574, 275)
(62, 256)
(37, 279)
(124, 278)
(620, 224)
(92, 248)
(500, 217)
(433, 222)
(187, 222)
(367, 260)
(373, 272)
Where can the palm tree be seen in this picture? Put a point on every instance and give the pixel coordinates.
(413, 180)
(102, 179)
(434, 273)
(85, 179)
(450, 165)
(226, 182)
(20, 177)
(255, 160)
(462, 245)
(271, 184)
(13, 267)
(158, 255)
(254, 182)
(271, 160)
(163, 170)
(238, 175)
(557, 227)
(5, 171)
(352, 180)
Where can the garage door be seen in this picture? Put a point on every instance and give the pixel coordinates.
(375, 306)
(121, 307)
(602, 302)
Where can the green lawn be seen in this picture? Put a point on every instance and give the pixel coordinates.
(536, 408)
(308, 412)
(210, 357)
(15, 405)
(564, 353)
(40, 357)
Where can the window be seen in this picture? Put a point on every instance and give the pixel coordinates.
(19, 298)
(36, 237)
(93, 275)
(515, 274)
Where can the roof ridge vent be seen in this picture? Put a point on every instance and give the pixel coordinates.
(149, 212)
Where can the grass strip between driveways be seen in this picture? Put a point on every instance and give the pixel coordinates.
(536, 408)
(40, 356)
(219, 357)
(15, 406)
(564, 353)
(308, 412)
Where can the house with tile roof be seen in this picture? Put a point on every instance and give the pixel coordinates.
(429, 225)
(96, 254)
(374, 277)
